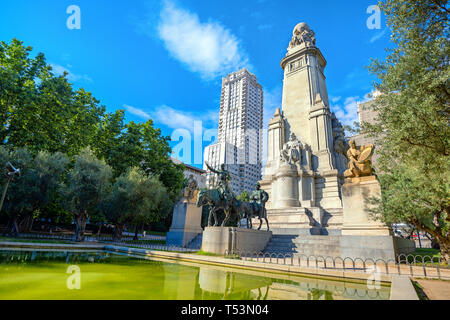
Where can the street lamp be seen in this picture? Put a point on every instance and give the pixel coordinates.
(10, 173)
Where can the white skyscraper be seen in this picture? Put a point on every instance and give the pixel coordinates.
(240, 138)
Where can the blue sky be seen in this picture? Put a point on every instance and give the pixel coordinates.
(164, 59)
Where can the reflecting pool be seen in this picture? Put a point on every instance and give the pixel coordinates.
(63, 275)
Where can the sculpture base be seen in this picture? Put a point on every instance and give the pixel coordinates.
(221, 240)
(356, 194)
(342, 246)
(186, 224)
(314, 221)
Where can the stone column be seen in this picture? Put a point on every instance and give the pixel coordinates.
(287, 187)
(275, 142)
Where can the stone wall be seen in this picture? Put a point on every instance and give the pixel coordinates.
(219, 240)
(404, 246)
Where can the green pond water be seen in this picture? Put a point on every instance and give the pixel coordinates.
(102, 275)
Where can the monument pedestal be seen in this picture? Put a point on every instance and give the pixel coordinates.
(356, 193)
(287, 187)
(220, 240)
(186, 223)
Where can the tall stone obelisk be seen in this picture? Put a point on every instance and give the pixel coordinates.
(306, 116)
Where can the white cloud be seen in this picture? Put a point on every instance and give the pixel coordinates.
(378, 36)
(138, 112)
(59, 70)
(176, 119)
(335, 99)
(347, 112)
(207, 48)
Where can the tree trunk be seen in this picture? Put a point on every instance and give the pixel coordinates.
(118, 230)
(80, 226)
(13, 227)
(26, 223)
(444, 244)
(444, 241)
(136, 232)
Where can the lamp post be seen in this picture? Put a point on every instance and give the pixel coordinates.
(10, 173)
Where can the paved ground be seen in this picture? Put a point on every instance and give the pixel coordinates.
(435, 289)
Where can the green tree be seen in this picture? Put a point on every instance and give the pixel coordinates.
(88, 183)
(135, 199)
(40, 180)
(142, 145)
(244, 196)
(153, 200)
(412, 129)
(42, 112)
(18, 73)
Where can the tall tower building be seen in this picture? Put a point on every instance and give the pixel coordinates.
(240, 138)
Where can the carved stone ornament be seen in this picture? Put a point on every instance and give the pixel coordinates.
(302, 34)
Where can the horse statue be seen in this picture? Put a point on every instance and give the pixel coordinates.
(213, 199)
(250, 210)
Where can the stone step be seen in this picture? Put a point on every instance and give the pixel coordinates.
(299, 210)
(304, 244)
(275, 248)
(196, 243)
(326, 246)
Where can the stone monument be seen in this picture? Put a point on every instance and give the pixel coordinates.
(318, 184)
(306, 153)
(360, 186)
(187, 217)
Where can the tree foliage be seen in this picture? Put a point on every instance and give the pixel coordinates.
(142, 145)
(44, 117)
(412, 129)
(88, 183)
(40, 182)
(136, 199)
(244, 196)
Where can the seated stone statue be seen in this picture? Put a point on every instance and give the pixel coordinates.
(360, 164)
(292, 151)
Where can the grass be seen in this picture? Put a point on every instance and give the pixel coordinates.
(419, 290)
(435, 253)
(430, 257)
(8, 239)
(156, 233)
(204, 253)
(160, 242)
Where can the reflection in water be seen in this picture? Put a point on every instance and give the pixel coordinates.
(226, 285)
(42, 275)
